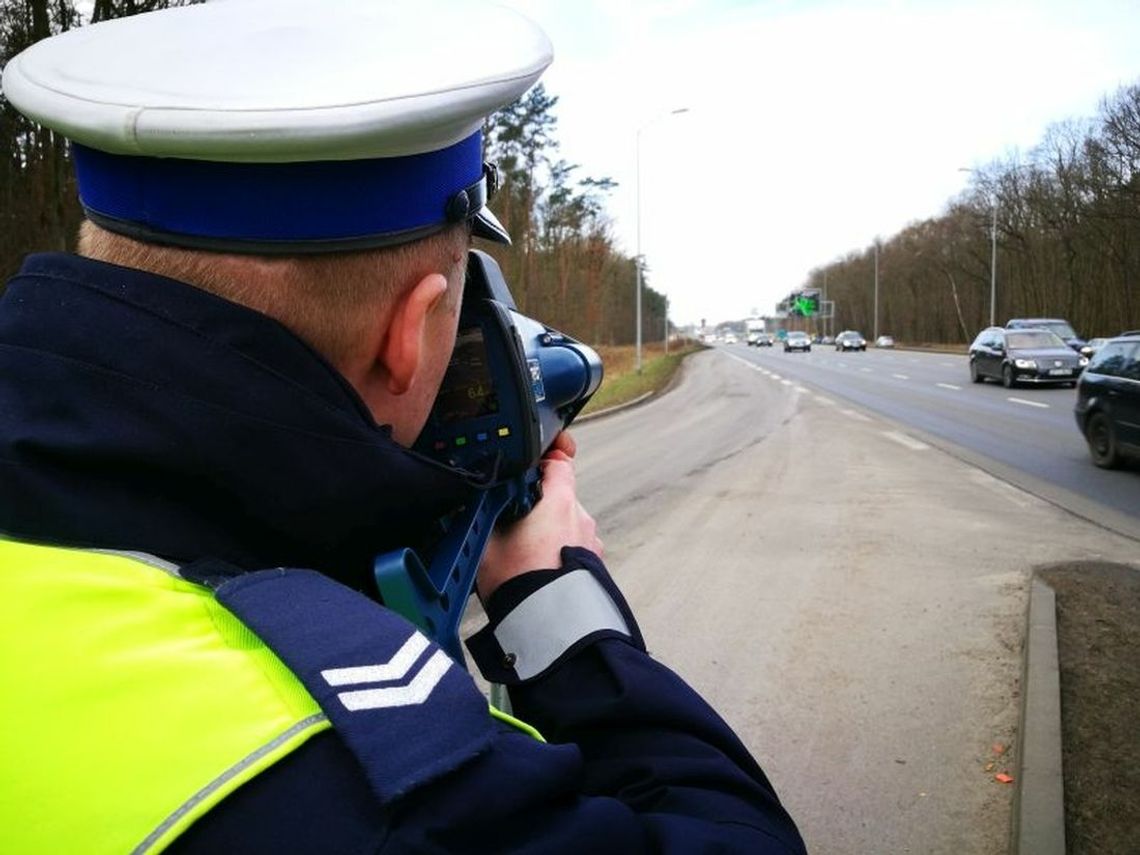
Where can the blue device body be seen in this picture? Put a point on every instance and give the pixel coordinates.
(512, 385)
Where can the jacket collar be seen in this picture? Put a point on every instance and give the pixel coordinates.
(138, 412)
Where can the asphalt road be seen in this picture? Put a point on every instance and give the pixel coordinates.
(848, 596)
(1026, 435)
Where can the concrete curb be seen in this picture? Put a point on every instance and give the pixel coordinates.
(614, 409)
(1039, 803)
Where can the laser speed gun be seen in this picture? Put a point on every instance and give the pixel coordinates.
(512, 385)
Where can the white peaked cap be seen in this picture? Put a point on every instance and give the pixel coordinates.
(280, 82)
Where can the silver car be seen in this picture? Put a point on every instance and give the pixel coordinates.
(797, 341)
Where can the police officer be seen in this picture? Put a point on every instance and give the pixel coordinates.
(222, 386)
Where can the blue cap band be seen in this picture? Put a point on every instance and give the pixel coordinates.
(295, 207)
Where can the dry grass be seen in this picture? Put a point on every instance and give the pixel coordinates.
(621, 359)
(622, 383)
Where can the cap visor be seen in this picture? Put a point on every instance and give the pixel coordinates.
(487, 226)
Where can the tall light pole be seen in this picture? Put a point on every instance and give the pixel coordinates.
(876, 336)
(823, 302)
(638, 260)
(993, 262)
(993, 251)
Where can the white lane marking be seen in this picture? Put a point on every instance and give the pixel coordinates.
(1029, 403)
(786, 382)
(774, 376)
(739, 359)
(867, 370)
(824, 400)
(900, 376)
(855, 414)
(802, 389)
(949, 386)
(909, 441)
(946, 364)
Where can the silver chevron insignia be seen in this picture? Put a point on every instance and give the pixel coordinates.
(416, 691)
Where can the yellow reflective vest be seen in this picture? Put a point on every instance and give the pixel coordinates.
(132, 702)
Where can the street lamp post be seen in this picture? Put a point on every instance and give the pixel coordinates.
(876, 324)
(993, 263)
(993, 251)
(823, 302)
(638, 260)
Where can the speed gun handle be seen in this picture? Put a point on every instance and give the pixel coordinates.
(434, 596)
(527, 493)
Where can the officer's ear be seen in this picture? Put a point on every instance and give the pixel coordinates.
(405, 347)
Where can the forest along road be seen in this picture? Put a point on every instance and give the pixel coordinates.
(851, 599)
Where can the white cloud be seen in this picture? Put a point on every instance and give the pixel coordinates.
(813, 127)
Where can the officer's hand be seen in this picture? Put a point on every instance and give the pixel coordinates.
(557, 520)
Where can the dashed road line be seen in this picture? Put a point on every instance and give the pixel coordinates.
(866, 370)
(949, 386)
(855, 414)
(802, 389)
(786, 382)
(824, 400)
(901, 376)
(909, 441)
(774, 376)
(1029, 403)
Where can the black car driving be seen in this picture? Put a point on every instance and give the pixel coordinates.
(1023, 356)
(1060, 326)
(850, 340)
(1108, 402)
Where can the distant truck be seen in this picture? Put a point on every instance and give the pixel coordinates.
(754, 328)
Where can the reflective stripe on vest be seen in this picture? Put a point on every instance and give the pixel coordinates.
(132, 702)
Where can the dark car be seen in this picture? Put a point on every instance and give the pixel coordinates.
(762, 340)
(797, 341)
(1108, 402)
(850, 340)
(1063, 329)
(1023, 356)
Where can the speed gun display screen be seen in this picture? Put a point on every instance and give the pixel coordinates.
(512, 384)
(468, 391)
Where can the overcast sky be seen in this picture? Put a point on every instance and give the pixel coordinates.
(813, 127)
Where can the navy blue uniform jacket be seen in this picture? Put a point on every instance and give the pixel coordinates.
(138, 413)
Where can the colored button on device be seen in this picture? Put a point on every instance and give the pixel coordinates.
(460, 441)
(481, 436)
(504, 431)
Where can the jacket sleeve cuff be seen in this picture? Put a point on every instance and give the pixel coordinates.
(540, 619)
